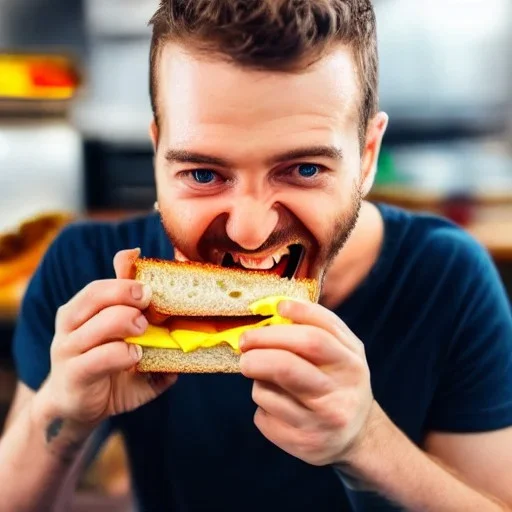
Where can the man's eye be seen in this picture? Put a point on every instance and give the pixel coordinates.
(203, 176)
(308, 170)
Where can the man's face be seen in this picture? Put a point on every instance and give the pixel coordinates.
(253, 165)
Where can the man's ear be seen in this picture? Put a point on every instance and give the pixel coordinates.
(153, 133)
(370, 160)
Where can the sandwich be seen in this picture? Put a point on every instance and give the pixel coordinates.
(21, 251)
(201, 310)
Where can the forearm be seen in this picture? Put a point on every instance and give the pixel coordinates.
(38, 454)
(391, 465)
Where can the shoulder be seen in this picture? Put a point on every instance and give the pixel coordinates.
(433, 247)
(432, 269)
(94, 243)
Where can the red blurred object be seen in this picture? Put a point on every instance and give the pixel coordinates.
(48, 74)
(460, 209)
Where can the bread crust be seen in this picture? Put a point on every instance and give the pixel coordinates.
(197, 289)
(218, 359)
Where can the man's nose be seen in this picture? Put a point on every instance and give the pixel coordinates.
(251, 222)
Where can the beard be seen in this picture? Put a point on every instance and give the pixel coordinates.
(290, 229)
(343, 227)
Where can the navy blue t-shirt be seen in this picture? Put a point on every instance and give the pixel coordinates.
(435, 321)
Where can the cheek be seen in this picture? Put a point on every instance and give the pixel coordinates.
(319, 210)
(183, 218)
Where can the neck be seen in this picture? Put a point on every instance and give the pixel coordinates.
(355, 261)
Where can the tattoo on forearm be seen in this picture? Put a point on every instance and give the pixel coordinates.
(53, 429)
(68, 449)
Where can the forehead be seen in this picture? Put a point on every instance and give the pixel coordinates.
(200, 97)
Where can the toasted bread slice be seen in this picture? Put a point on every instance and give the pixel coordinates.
(218, 359)
(196, 289)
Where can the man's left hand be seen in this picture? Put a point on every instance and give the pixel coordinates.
(311, 384)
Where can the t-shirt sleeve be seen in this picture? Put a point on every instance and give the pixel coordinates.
(474, 392)
(62, 272)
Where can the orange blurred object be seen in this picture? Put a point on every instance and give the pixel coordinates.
(41, 77)
(20, 254)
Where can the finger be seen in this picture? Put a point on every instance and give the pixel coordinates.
(288, 371)
(106, 360)
(112, 323)
(276, 430)
(312, 343)
(97, 296)
(125, 268)
(308, 313)
(124, 263)
(278, 403)
(301, 443)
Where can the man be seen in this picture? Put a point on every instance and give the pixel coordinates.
(395, 392)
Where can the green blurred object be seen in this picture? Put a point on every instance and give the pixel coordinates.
(386, 169)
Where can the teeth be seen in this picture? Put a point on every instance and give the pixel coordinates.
(279, 254)
(254, 263)
(216, 257)
(251, 263)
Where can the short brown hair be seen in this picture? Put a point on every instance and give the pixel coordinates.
(282, 35)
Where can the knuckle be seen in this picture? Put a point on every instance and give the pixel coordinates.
(335, 417)
(61, 315)
(77, 372)
(91, 290)
(76, 340)
(111, 291)
(284, 372)
(312, 342)
(55, 349)
(256, 391)
(119, 319)
(247, 362)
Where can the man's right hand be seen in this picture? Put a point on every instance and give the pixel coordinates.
(92, 369)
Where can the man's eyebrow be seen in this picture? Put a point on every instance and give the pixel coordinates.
(332, 152)
(182, 156)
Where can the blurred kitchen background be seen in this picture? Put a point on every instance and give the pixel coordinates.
(74, 115)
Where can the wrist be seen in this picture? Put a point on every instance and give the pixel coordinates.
(357, 461)
(62, 436)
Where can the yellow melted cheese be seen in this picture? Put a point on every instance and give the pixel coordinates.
(188, 340)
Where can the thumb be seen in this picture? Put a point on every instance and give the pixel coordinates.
(124, 263)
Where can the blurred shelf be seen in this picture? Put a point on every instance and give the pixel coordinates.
(488, 219)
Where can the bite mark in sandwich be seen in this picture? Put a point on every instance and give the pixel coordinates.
(205, 309)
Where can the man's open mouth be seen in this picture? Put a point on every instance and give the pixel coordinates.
(284, 262)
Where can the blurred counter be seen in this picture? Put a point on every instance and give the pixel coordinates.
(466, 180)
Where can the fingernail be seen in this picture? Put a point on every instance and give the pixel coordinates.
(142, 292)
(137, 291)
(282, 307)
(146, 293)
(141, 323)
(136, 352)
(242, 341)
